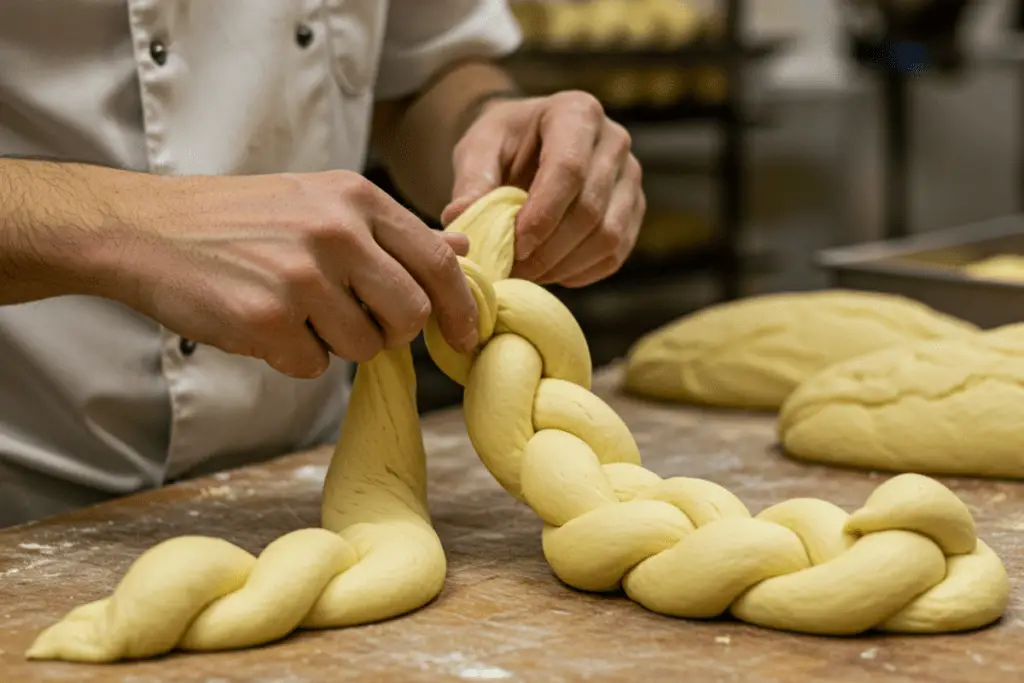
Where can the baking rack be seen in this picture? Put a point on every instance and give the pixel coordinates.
(731, 117)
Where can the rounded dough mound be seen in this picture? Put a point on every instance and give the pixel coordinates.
(1005, 268)
(753, 353)
(944, 407)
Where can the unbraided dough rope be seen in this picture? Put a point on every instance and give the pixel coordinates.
(907, 561)
(376, 557)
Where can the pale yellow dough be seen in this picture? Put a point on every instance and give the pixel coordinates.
(909, 560)
(754, 352)
(944, 407)
(616, 23)
(1005, 268)
(376, 557)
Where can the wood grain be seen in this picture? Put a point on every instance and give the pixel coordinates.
(502, 615)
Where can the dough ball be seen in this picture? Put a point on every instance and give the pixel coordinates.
(1005, 267)
(754, 352)
(952, 407)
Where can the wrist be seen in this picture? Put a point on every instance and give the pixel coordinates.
(483, 102)
(104, 249)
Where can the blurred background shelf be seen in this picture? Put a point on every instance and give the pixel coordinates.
(701, 55)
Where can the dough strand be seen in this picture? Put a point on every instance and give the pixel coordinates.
(377, 556)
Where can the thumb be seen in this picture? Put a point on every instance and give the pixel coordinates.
(477, 172)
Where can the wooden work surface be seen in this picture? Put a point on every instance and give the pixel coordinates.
(502, 615)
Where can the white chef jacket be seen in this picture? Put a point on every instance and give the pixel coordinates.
(94, 396)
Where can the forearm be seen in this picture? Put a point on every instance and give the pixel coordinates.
(416, 138)
(58, 227)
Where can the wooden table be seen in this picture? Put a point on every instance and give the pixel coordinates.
(502, 615)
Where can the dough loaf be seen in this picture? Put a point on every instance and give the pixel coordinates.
(754, 352)
(943, 407)
(909, 560)
(661, 24)
(1005, 267)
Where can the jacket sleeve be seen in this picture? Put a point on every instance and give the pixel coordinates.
(423, 36)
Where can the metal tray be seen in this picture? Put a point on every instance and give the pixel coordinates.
(926, 267)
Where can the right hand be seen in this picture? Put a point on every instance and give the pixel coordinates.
(280, 267)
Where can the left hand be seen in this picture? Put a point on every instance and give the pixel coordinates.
(586, 202)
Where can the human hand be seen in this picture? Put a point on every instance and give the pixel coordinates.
(290, 267)
(586, 202)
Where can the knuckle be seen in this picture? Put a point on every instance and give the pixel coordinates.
(331, 229)
(420, 314)
(358, 189)
(622, 137)
(634, 169)
(299, 273)
(404, 323)
(610, 240)
(415, 320)
(441, 262)
(538, 263)
(265, 312)
(589, 210)
(573, 169)
(584, 102)
(626, 246)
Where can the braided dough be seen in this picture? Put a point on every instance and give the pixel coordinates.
(376, 557)
(754, 352)
(943, 407)
(909, 560)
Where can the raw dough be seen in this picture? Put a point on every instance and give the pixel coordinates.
(683, 547)
(908, 561)
(942, 407)
(1005, 267)
(376, 557)
(754, 352)
(637, 24)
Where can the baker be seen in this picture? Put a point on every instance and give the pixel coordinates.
(190, 258)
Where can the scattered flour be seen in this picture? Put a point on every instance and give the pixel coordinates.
(442, 442)
(313, 473)
(487, 673)
(217, 492)
(44, 549)
(462, 666)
